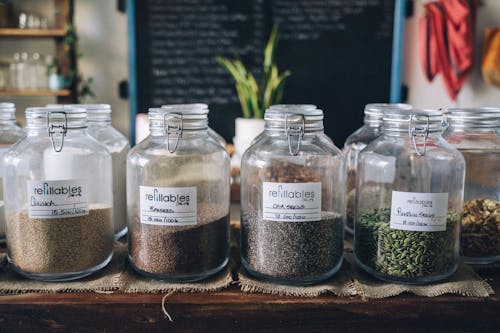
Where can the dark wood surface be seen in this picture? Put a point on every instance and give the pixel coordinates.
(231, 310)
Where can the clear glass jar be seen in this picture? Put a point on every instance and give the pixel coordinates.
(9, 134)
(178, 197)
(475, 132)
(409, 199)
(213, 134)
(292, 200)
(58, 198)
(100, 128)
(355, 143)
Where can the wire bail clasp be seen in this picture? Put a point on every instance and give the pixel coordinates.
(55, 130)
(422, 131)
(173, 124)
(294, 130)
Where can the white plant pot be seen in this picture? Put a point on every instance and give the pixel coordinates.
(246, 129)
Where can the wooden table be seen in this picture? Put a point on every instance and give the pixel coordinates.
(233, 311)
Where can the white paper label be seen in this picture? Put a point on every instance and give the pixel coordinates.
(170, 206)
(50, 199)
(291, 202)
(419, 211)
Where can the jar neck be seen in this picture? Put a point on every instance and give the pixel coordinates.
(99, 123)
(373, 120)
(294, 127)
(8, 122)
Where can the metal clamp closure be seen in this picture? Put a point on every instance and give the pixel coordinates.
(55, 129)
(294, 130)
(173, 124)
(414, 132)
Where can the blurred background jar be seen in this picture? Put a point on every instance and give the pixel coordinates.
(408, 200)
(475, 132)
(10, 133)
(371, 129)
(178, 197)
(100, 128)
(292, 199)
(58, 198)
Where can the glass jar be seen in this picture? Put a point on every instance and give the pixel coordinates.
(409, 199)
(213, 134)
(355, 143)
(100, 128)
(178, 197)
(475, 132)
(9, 134)
(292, 200)
(58, 198)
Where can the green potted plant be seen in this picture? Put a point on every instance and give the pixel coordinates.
(255, 98)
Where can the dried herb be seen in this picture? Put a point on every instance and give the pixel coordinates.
(402, 254)
(481, 228)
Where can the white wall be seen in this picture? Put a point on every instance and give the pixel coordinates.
(102, 32)
(475, 91)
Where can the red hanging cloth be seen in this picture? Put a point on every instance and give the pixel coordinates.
(447, 41)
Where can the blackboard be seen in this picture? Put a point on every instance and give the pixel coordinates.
(339, 53)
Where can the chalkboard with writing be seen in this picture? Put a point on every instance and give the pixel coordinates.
(339, 53)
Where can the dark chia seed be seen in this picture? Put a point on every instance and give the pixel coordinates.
(292, 252)
(179, 253)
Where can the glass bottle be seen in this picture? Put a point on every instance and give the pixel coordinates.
(292, 200)
(10, 133)
(371, 129)
(475, 132)
(13, 69)
(178, 197)
(409, 198)
(58, 198)
(100, 128)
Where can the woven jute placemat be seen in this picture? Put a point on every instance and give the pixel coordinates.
(106, 280)
(131, 282)
(340, 284)
(464, 282)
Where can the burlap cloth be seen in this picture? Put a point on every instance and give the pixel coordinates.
(464, 282)
(103, 281)
(131, 282)
(352, 280)
(340, 284)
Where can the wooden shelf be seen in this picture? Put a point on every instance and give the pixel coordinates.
(36, 93)
(15, 32)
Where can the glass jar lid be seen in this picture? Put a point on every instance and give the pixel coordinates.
(173, 120)
(374, 112)
(285, 107)
(95, 112)
(57, 120)
(7, 111)
(412, 120)
(294, 122)
(484, 117)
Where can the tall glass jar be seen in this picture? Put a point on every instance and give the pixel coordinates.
(475, 132)
(292, 200)
(9, 134)
(178, 197)
(100, 128)
(409, 199)
(58, 198)
(355, 143)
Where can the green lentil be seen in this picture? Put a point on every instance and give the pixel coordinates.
(405, 254)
